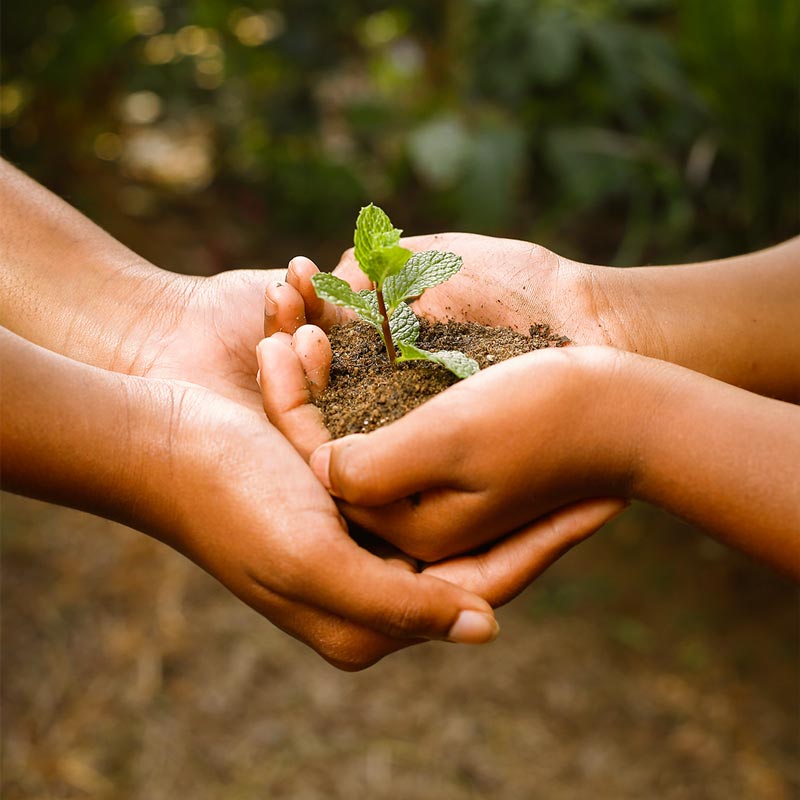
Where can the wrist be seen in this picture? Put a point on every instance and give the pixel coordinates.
(131, 313)
(617, 302)
(614, 396)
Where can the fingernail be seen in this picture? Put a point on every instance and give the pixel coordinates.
(321, 464)
(270, 308)
(258, 378)
(473, 627)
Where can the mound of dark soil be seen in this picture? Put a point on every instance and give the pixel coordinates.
(366, 392)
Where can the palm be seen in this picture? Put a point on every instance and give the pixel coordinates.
(504, 282)
(211, 338)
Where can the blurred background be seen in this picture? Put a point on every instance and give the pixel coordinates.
(214, 134)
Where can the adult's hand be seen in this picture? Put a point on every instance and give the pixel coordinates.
(68, 286)
(200, 469)
(216, 481)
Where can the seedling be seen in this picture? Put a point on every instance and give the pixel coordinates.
(397, 276)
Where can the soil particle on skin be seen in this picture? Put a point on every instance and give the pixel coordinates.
(366, 392)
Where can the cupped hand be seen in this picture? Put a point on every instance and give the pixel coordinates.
(514, 442)
(249, 510)
(294, 370)
(512, 283)
(245, 506)
(204, 331)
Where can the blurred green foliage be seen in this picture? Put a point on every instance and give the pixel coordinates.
(610, 130)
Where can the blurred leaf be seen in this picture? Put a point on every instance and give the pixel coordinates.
(493, 174)
(593, 163)
(555, 42)
(440, 150)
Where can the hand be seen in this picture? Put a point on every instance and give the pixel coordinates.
(217, 482)
(661, 312)
(555, 426)
(248, 510)
(294, 370)
(108, 307)
(204, 331)
(511, 283)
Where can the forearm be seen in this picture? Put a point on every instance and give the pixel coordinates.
(69, 286)
(84, 437)
(723, 458)
(734, 319)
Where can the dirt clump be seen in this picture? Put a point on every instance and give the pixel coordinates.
(366, 392)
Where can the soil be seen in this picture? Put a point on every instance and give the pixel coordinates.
(366, 392)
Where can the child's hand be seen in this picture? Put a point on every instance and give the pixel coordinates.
(511, 283)
(488, 455)
(294, 369)
(556, 426)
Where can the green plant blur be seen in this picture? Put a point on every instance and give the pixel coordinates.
(619, 131)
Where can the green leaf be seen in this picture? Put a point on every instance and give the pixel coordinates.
(460, 365)
(404, 325)
(336, 291)
(376, 245)
(422, 271)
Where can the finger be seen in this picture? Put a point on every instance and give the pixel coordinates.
(284, 310)
(286, 396)
(503, 571)
(318, 311)
(436, 524)
(325, 568)
(313, 349)
(375, 469)
(383, 549)
(345, 644)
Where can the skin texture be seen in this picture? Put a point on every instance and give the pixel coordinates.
(599, 421)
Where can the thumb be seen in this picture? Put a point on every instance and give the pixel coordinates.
(373, 469)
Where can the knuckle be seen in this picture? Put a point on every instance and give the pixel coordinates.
(405, 619)
(351, 651)
(355, 475)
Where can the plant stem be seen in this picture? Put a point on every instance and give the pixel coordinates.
(387, 332)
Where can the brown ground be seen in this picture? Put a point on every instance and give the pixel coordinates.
(366, 392)
(648, 663)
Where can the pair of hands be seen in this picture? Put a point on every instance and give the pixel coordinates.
(160, 421)
(160, 425)
(259, 520)
(468, 470)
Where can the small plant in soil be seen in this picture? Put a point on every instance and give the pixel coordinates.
(365, 391)
(397, 275)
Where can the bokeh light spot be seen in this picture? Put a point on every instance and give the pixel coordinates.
(252, 29)
(191, 40)
(160, 49)
(11, 97)
(141, 108)
(147, 20)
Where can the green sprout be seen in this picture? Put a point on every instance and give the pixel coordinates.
(398, 276)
